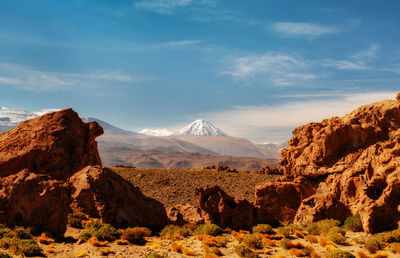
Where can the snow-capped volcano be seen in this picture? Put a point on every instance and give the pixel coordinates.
(201, 127)
(156, 132)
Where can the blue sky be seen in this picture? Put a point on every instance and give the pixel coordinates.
(256, 69)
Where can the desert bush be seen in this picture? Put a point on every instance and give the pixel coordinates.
(22, 233)
(29, 248)
(312, 239)
(214, 250)
(20, 242)
(92, 224)
(244, 251)
(169, 231)
(4, 254)
(95, 242)
(359, 240)
(322, 226)
(107, 233)
(286, 244)
(154, 255)
(188, 252)
(252, 241)
(75, 219)
(373, 244)
(389, 236)
(208, 229)
(337, 253)
(285, 231)
(136, 235)
(395, 248)
(122, 242)
(336, 235)
(353, 223)
(263, 229)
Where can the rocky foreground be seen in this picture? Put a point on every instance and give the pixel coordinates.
(338, 169)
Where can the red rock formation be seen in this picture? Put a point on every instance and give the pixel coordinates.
(221, 209)
(281, 198)
(355, 160)
(185, 214)
(57, 144)
(104, 194)
(37, 201)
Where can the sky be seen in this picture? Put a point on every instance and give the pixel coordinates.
(255, 68)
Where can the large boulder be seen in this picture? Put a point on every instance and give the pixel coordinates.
(37, 201)
(282, 198)
(58, 144)
(222, 209)
(100, 192)
(354, 164)
(185, 214)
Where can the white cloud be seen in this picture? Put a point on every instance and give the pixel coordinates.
(302, 29)
(275, 122)
(358, 61)
(280, 69)
(162, 6)
(27, 78)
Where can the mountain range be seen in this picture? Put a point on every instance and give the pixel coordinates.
(200, 139)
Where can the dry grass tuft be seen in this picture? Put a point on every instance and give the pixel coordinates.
(44, 239)
(95, 242)
(136, 235)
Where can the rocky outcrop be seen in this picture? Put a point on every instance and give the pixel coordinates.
(58, 144)
(219, 208)
(100, 192)
(353, 164)
(48, 165)
(282, 198)
(185, 214)
(33, 200)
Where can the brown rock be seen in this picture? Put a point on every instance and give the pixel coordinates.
(221, 209)
(185, 214)
(353, 161)
(104, 194)
(33, 200)
(281, 198)
(398, 97)
(57, 144)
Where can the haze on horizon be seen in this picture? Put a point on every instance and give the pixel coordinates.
(254, 70)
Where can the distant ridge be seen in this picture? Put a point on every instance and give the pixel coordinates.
(109, 128)
(156, 132)
(201, 127)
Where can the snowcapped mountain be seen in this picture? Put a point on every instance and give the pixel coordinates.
(201, 127)
(156, 132)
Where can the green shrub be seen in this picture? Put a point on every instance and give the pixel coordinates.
(154, 255)
(373, 244)
(86, 234)
(252, 241)
(337, 253)
(75, 219)
(169, 231)
(215, 250)
(321, 226)
(359, 240)
(107, 233)
(263, 229)
(19, 241)
(4, 254)
(94, 224)
(336, 235)
(286, 244)
(244, 251)
(208, 229)
(22, 233)
(285, 231)
(389, 236)
(353, 223)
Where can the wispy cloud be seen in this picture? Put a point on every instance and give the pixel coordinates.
(358, 61)
(275, 122)
(302, 29)
(163, 6)
(31, 79)
(281, 69)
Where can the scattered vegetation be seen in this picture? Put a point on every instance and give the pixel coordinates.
(337, 253)
(75, 219)
(4, 254)
(389, 236)
(208, 229)
(373, 244)
(353, 223)
(102, 232)
(154, 255)
(263, 229)
(136, 235)
(252, 241)
(19, 241)
(322, 226)
(337, 235)
(244, 251)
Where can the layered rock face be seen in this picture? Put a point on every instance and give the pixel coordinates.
(58, 144)
(51, 163)
(100, 192)
(353, 163)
